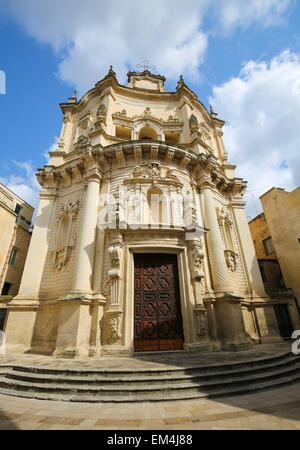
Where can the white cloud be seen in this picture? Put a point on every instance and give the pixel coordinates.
(243, 13)
(25, 183)
(52, 147)
(89, 36)
(262, 110)
(22, 179)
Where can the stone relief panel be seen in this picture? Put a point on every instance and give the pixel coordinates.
(66, 234)
(196, 260)
(111, 329)
(231, 259)
(226, 228)
(113, 281)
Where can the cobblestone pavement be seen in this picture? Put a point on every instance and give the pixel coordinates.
(268, 410)
(277, 409)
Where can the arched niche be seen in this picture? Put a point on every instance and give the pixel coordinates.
(65, 234)
(155, 205)
(64, 231)
(148, 132)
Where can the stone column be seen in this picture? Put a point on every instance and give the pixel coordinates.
(229, 318)
(214, 240)
(86, 247)
(78, 326)
(22, 309)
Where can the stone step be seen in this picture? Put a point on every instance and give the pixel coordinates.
(133, 380)
(164, 386)
(216, 393)
(152, 372)
(148, 384)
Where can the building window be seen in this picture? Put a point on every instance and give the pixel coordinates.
(268, 244)
(18, 210)
(262, 270)
(6, 288)
(13, 257)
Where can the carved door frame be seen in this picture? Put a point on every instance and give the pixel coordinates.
(185, 290)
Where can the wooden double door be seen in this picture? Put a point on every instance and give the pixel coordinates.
(157, 312)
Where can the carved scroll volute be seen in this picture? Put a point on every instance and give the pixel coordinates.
(114, 255)
(48, 177)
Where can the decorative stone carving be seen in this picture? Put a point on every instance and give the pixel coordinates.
(137, 172)
(170, 175)
(114, 255)
(101, 111)
(61, 256)
(112, 285)
(111, 328)
(66, 239)
(231, 259)
(180, 82)
(82, 140)
(147, 112)
(111, 74)
(196, 257)
(155, 170)
(223, 216)
(194, 124)
(201, 314)
(70, 208)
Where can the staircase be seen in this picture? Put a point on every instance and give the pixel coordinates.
(155, 384)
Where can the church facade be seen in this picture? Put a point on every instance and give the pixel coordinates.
(141, 241)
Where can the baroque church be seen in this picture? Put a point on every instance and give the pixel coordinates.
(141, 241)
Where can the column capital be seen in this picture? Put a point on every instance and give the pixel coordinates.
(93, 175)
(205, 182)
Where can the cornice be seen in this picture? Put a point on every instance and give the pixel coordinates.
(95, 161)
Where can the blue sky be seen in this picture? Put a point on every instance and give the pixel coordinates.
(241, 56)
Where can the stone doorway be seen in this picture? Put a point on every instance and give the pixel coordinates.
(157, 312)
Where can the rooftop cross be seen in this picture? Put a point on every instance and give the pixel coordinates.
(145, 66)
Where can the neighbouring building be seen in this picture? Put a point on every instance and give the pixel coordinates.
(141, 241)
(276, 237)
(15, 222)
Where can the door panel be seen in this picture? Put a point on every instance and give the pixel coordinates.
(158, 322)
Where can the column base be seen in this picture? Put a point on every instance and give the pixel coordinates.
(201, 347)
(116, 351)
(230, 323)
(68, 353)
